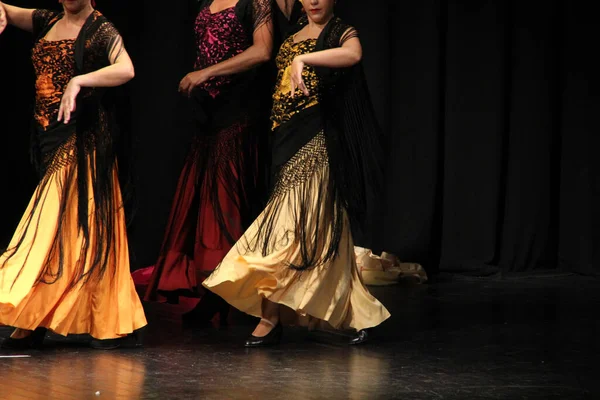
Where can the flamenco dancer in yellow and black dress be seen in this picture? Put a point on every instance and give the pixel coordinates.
(296, 262)
(67, 267)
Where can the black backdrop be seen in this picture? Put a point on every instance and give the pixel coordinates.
(489, 106)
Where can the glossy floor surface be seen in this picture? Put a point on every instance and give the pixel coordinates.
(459, 338)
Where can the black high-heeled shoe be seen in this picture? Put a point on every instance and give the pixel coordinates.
(34, 341)
(270, 339)
(132, 341)
(209, 305)
(361, 337)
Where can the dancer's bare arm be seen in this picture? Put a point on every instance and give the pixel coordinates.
(22, 18)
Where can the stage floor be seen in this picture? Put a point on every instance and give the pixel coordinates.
(526, 338)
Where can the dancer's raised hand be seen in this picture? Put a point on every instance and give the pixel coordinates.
(3, 19)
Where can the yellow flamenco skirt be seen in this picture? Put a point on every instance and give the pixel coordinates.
(105, 308)
(332, 292)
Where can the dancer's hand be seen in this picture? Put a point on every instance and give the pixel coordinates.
(297, 81)
(69, 100)
(3, 19)
(191, 80)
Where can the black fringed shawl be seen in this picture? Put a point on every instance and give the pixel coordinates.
(353, 141)
(244, 100)
(91, 128)
(353, 134)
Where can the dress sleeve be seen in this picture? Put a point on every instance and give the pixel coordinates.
(198, 5)
(339, 34)
(109, 42)
(262, 12)
(349, 33)
(41, 18)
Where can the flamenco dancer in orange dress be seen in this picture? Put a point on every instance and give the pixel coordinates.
(66, 268)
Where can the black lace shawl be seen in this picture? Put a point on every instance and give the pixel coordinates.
(92, 128)
(245, 99)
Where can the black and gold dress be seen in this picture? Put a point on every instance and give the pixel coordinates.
(299, 251)
(67, 267)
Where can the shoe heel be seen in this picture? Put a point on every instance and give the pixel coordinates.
(361, 337)
(139, 336)
(37, 338)
(278, 336)
(34, 341)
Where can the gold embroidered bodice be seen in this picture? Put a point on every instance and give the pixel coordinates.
(284, 106)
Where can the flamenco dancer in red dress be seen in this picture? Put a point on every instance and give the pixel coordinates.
(221, 184)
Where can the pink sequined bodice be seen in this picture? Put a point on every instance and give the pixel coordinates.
(219, 36)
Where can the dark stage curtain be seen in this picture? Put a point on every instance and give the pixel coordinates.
(490, 113)
(16, 108)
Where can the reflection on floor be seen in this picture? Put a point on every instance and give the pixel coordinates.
(527, 338)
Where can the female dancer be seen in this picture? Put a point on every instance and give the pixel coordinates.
(67, 266)
(298, 255)
(219, 189)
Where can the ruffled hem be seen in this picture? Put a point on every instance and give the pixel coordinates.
(333, 293)
(107, 307)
